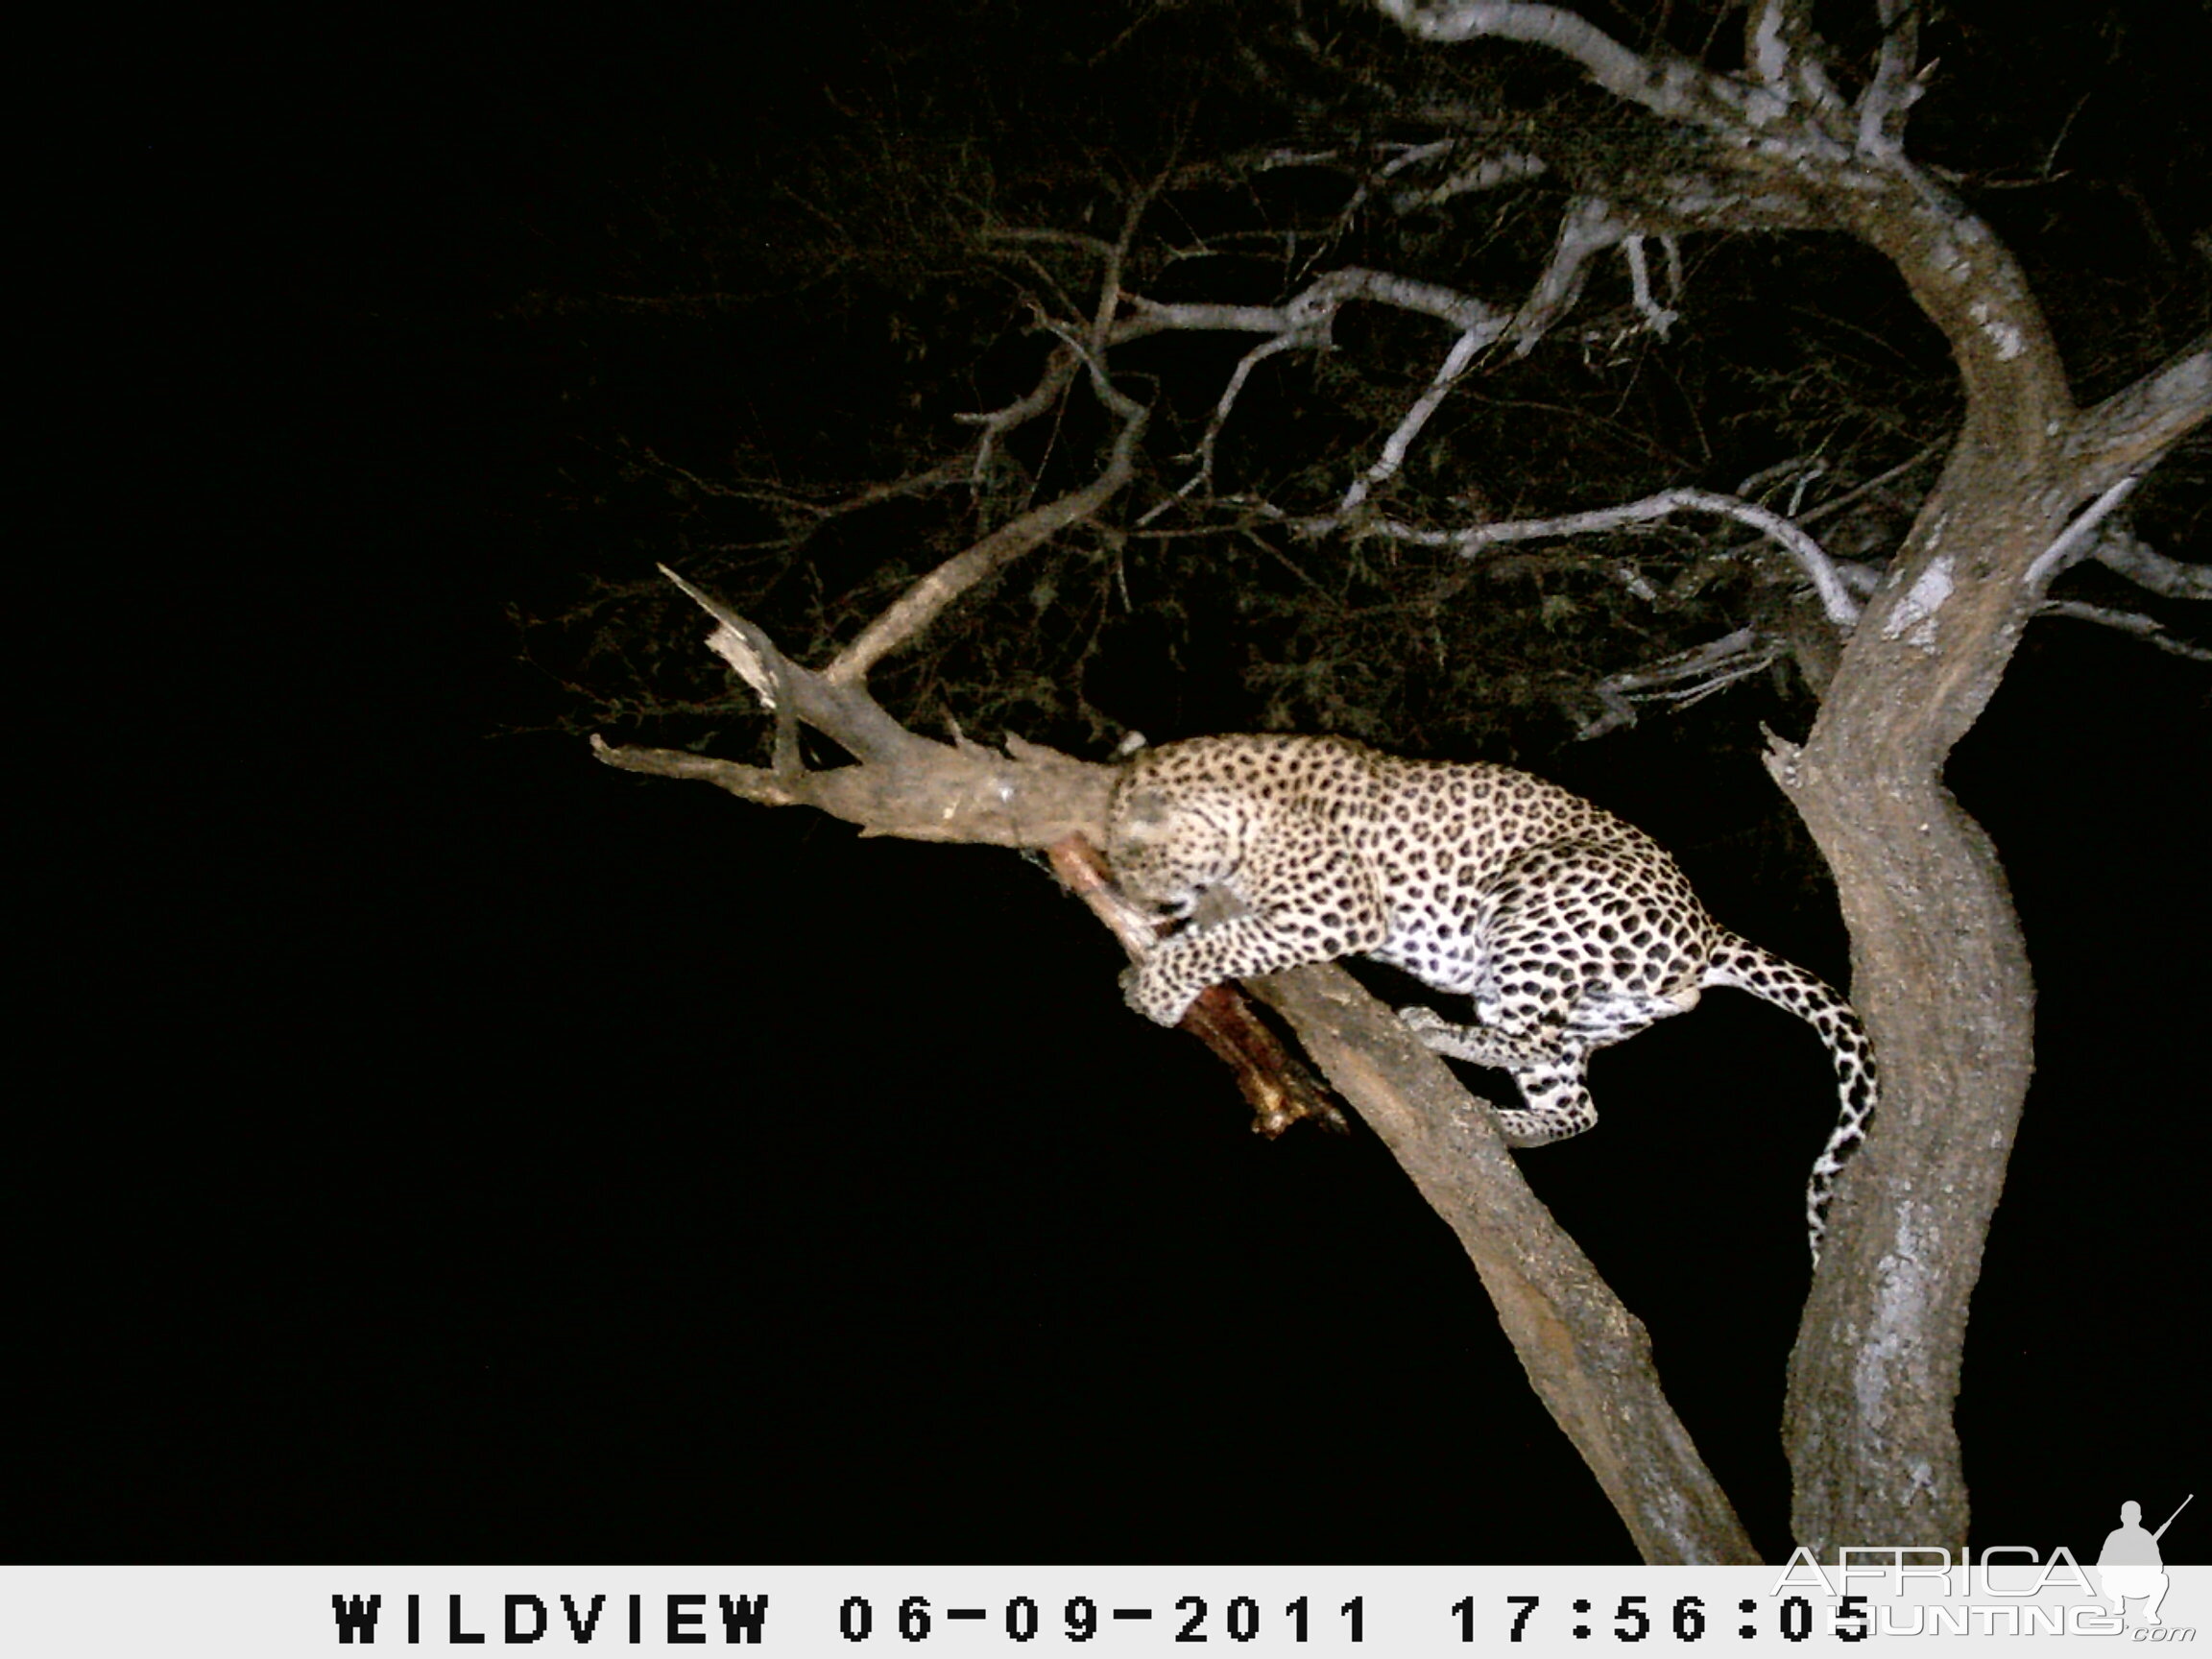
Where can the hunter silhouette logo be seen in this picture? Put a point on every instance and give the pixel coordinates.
(2129, 1565)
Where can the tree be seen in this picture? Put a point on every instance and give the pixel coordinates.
(1410, 198)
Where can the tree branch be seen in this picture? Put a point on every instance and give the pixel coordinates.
(792, 694)
(1665, 85)
(1588, 227)
(787, 504)
(2144, 628)
(1895, 88)
(1201, 482)
(1687, 678)
(1059, 371)
(1784, 56)
(923, 603)
(1308, 312)
(903, 785)
(2142, 420)
(1304, 323)
(1504, 167)
(1836, 598)
(1587, 1357)
(2122, 551)
(2079, 540)
(1657, 316)
(1395, 448)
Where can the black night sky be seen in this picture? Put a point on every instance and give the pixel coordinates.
(447, 1149)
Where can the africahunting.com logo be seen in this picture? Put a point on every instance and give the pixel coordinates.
(2008, 1590)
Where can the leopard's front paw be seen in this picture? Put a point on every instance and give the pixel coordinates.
(1148, 991)
(1439, 1036)
(1421, 1020)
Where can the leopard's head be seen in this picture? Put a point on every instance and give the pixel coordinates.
(1169, 847)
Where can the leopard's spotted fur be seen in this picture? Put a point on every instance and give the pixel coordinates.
(1568, 927)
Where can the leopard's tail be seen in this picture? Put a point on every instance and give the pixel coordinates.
(1746, 966)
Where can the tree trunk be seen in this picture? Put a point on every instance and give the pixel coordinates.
(1939, 967)
(1940, 974)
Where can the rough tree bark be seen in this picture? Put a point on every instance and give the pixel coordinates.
(1940, 969)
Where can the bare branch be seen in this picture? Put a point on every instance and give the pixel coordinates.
(2144, 628)
(2077, 541)
(1860, 577)
(1686, 679)
(1835, 596)
(923, 603)
(903, 785)
(1050, 237)
(1202, 480)
(1766, 45)
(1310, 310)
(1895, 88)
(1858, 492)
(1304, 323)
(1588, 227)
(1657, 87)
(1801, 470)
(1657, 316)
(758, 783)
(1659, 81)
(1504, 167)
(1783, 55)
(754, 656)
(1151, 317)
(1059, 371)
(2122, 551)
(845, 713)
(1395, 448)
(1431, 299)
(2144, 420)
(1116, 258)
(789, 505)
(1611, 64)
(1414, 155)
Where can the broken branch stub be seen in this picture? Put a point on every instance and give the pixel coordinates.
(902, 785)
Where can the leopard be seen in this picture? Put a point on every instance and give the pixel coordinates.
(1568, 929)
